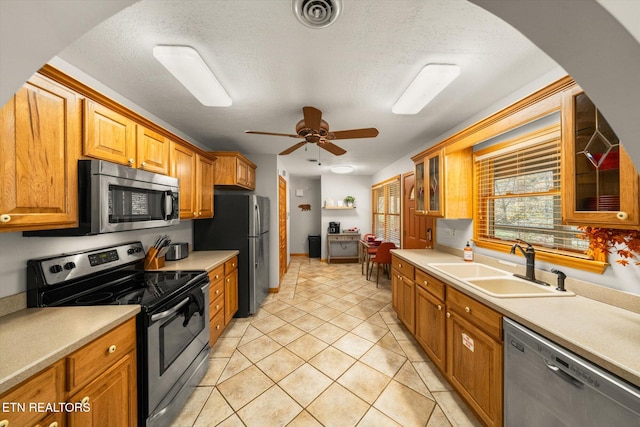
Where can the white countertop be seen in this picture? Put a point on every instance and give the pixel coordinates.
(604, 334)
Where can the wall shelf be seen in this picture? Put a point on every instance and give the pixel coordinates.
(338, 207)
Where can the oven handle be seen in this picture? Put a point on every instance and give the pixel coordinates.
(169, 312)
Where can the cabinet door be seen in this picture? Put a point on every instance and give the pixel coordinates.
(152, 151)
(251, 178)
(408, 304)
(431, 326)
(183, 166)
(108, 135)
(39, 150)
(230, 296)
(242, 172)
(396, 292)
(111, 397)
(433, 184)
(474, 364)
(204, 186)
(600, 184)
(419, 188)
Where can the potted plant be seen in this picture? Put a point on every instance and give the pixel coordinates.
(349, 200)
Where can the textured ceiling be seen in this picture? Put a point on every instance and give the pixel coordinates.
(272, 66)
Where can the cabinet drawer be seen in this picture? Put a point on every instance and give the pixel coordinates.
(216, 306)
(217, 326)
(403, 267)
(216, 289)
(479, 314)
(230, 265)
(432, 285)
(216, 274)
(85, 364)
(44, 387)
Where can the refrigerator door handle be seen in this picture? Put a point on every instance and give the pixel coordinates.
(258, 220)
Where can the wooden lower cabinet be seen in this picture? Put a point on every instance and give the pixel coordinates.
(230, 295)
(403, 292)
(223, 297)
(431, 326)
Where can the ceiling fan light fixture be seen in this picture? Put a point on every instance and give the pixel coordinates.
(317, 13)
(342, 169)
(431, 80)
(188, 67)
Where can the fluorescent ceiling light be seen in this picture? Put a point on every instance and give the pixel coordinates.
(187, 66)
(427, 85)
(342, 169)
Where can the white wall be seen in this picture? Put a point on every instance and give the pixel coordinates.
(304, 223)
(337, 187)
(16, 250)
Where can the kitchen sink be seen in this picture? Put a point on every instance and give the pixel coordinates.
(463, 270)
(495, 282)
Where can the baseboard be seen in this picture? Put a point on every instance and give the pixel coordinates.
(303, 255)
(274, 290)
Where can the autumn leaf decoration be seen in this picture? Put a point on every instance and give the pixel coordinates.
(626, 243)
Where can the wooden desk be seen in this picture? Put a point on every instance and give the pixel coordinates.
(343, 239)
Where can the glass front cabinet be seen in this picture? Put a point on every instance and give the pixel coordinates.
(600, 183)
(428, 172)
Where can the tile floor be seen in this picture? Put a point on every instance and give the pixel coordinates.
(327, 350)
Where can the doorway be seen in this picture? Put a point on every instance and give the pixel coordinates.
(418, 230)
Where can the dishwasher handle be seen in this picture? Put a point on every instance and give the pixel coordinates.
(562, 374)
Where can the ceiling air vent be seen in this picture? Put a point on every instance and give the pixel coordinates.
(317, 13)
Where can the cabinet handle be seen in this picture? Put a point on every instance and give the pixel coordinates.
(112, 349)
(143, 164)
(131, 161)
(228, 280)
(195, 213)
(622, 216)
(217, 326)
(467, 309)
(4, 423)
(85, 400)
(217, 276)
(426, 283)
(233, 264)
(54, 424)
(217, 291)
(4, 218)
(448, 314)
(217, 306)
(399, 265)
(439, 307)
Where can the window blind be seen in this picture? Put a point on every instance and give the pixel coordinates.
(386, 210)
(518, 196)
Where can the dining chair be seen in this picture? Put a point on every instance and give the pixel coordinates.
(382, 257)
(370, 251)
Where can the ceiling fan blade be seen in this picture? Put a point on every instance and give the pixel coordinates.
(332, 148)
(255, 132)
(293, 148)
(312, 118)
(353, 133)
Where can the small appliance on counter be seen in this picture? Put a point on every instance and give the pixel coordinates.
(334, 228)
(177, 251)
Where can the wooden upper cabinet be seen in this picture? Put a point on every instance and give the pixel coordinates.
(183, 166)
(204, 186)
(152, 151)
(39, 150)
(108, 135)
(599, 181)
(444, 183)
(234, 171)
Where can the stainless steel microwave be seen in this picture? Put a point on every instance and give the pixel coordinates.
(113, 198)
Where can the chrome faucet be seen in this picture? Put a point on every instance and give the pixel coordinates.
(530, 256)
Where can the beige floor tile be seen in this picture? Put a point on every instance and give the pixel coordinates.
(375, 418)
(361, 312)
(328, 333)
(244, 387)
(237, 363)
(272, 408)
(400, 332)
(285, 334)
(390, 343)
(276, 306)
(193, 406)
(291, 314)
(338, 407)
(308, 306)
(373, 303)
(280, 364)
(376, 319)
(438, 418)
(341, 305)
(346, 321)
(370, 331)
(352, 297)
(268, 324)
(324, 299)
(307, 322)
(431, 376)
(385, 361)
(408, 376)
(251, 334)
(326, 313)
(405, 406)
(305, 384)
(224, 347)
(216, 366)
(455, 409)
(304, 419)
(414, 352)
(215, 410)
(332, 362)
(232, 421)
(259, 348)
(354, 345)
(390, 317)
(364, 381)
(236, 328)
(307, 346)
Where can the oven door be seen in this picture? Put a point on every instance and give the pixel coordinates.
(125, 203)
(175, 339)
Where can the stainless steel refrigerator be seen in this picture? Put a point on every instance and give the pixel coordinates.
(240, 222)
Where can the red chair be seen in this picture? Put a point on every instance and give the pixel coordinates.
(382, 257)
(370, 251)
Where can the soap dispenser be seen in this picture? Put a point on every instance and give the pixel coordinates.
(468, 253)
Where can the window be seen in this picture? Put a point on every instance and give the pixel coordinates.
(518, 194)
(386, 210)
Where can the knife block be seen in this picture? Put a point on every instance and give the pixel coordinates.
(151, 261)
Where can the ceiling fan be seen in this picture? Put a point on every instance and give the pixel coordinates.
(314, 130)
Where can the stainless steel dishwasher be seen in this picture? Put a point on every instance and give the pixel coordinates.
(546, 385)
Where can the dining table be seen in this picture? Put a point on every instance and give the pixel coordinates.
(365, 252)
